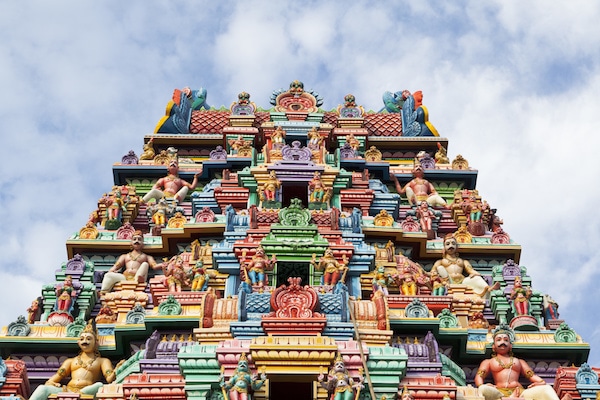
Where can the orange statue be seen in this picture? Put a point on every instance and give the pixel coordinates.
(171, 186)
(419, 189)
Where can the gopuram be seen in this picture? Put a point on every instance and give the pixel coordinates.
(292, 252)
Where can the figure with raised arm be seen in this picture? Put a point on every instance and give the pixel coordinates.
(506, 370)
(339, 383)
(85, 370)
(453, 268)
(242, 384)
(134, 264)
(177, 276)
(419, 189)
(171, 186)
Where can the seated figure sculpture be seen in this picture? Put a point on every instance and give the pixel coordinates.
(86, 369)
(419, 189)
(453, 267)
(506, 370)
(339, 383)
(242, 384)
(135, 263)
(171, 186)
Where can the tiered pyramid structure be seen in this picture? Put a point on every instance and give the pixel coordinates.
(290, 240)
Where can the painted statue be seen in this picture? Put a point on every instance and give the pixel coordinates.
(318, 192)
(520, 297)
(255, 270)
(177, 276)
(381, 280)
(315, 139)
(242, 383)
(419, 189)
(506, 370)
(85, 370)
(271, 187)
(134, 264)
(200, 277)
(453, 267)
(333, 270)
(339, 384)
(65, 295)
(171, 186)
(197, 98)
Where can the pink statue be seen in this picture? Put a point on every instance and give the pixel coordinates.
(419, 189)
(426, 216)
(177, 277)
(171, 186)
(506, 370)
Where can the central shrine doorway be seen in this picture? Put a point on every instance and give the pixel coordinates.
(285, 269)
(292, 190)
(291, 390)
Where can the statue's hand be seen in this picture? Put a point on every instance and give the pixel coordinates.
(263, 377)
(52, 383)
(320, 377)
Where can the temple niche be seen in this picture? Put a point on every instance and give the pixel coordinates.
(287, 251)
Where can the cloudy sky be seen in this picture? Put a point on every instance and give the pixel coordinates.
(513, 85)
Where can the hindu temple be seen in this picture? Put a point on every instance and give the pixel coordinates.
(284, 251)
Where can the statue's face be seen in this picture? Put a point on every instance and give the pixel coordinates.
(137, 242)
(86, 342)
(243, 366)
(173, 167)
(502, 343)
(450, 245)
(339, 366)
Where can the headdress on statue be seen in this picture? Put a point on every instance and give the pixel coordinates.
(406, 393)
(506, 330)
(243, 358)
(339, 358)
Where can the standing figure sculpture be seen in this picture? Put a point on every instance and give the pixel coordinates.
(255, 270)
(506, 370)
(278, 138)
(177, 276)
(453, 267)
(171, 186)
(339, 383)
(270, 189)
(381, 280)
(315, 139)
(242, 384)
(333, 271)
(65, 295)
(135, 265)
(520, 297)
(419, 189)
(85, 370)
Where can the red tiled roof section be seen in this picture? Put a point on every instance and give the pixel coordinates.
(330, 118)
(206, 122)
(211, 121)
(384, 124)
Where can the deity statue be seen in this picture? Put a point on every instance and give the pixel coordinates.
(441, 156)
(269, 190)
(33, 311)
(506, 370)
(520, 297)
(550, 308)
(160, 211)
(242, 384)
(407, 282)
(115, 206)
(410, 276)
(148, 150)
(177, 276)
(135, 263)
(453, 267)
(315, 140)
(381, 280)
(333, 271)
(171, 186)
(339, 384)
(405, 394)
(352, 141)
(237, 144)
(419, 189)
(318, 192)
(439, 285)
(85, 370)
(200, 277)
(255, 269)
(278, 138)
(65, 295)
(426, 216)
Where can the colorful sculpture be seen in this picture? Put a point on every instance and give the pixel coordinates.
(135, 265)
(242, 384)
(339, 383)
(381, 280)
(419, 189)
(270, 189)
(171, 186)
(333, 271)
(319, 193)
(506, 370)
(255, 269)
(65, 296)
(453, 267)
(520, 298)
(85, 370)
(200, 277)
(315, 140)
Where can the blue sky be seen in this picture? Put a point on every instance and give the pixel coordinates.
(513, 86)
